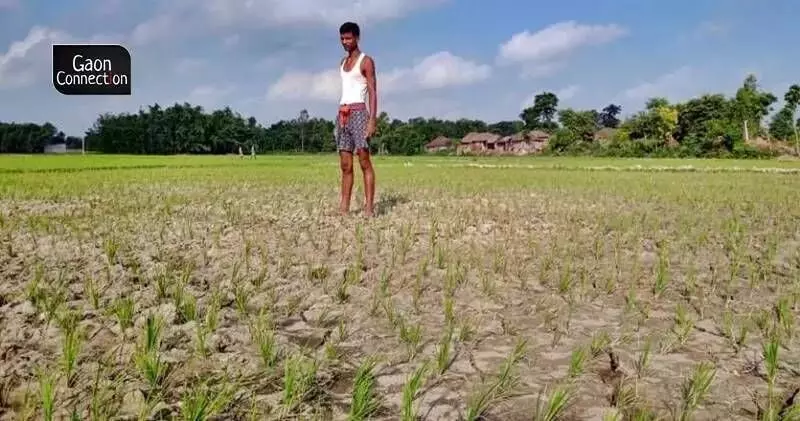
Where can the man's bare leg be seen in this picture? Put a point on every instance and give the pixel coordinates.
(346, 165)
(369, 181)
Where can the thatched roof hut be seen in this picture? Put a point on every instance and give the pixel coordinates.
(480, 137)
(440, 142)
(537, 136)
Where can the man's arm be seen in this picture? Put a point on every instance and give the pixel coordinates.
(372, 90)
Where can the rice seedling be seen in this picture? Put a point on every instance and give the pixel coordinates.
(551, 406)
(577, 362)
(152, 369)
(47, 393)
(123, 309)
(643, 360)
(499, 388)
(695, 390)
(444, 351)
(411, 336)
(72, 341)
(299, 381)
(365, 401)
(411, 389)
(262, 334)
(203, 402)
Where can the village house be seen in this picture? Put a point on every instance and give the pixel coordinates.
(522, 143)
(477, 143)
(440, 144)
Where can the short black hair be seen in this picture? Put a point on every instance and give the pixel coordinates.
(350, 28)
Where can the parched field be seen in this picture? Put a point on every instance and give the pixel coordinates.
(202, 288)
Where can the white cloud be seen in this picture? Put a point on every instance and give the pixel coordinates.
(445, 69)
(22, 64)
(669, 84)
(27, 61)
(564, 94)
(306, 85)
(178, 17)
(555, 42)
(568, 93)
(288, 12)
(187, 65)
(209, 96)
(439, 70)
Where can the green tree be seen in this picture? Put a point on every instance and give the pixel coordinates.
(582, 124)
(608, 116)
(542, 113)
(752, 105)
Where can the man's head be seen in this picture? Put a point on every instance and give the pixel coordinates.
(349, 34)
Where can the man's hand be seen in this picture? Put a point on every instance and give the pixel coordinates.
(371, 126)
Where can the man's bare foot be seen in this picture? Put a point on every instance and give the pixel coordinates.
(368, 213)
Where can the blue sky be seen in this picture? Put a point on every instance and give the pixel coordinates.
(444, 58)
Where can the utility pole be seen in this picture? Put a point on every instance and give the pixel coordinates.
(746, 133)
(796, 139)
(303, 119)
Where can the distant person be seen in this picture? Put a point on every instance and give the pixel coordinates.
(241, 155)
(355, 124)
(252, 152)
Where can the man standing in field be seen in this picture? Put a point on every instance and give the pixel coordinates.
(355, 124)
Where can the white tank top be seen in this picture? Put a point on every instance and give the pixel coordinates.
(354, 84)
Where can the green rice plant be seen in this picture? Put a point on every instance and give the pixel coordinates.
(736, 335)
(72, 341)
(600, 343)
(203, 402)
(662, 273)
(770, 354)
(784, 317)
(262, 333)
(466, 330)
(444, 351)
(188, 308)
(162, 283)
(642, 363)
(577, 362)
(684, 324)
(498, 389)
(211, 318)
(410, 391)
(123, 309)
(411, 336)
(104, 404)
(299, 381)
(147, 357)
(625, 397)
(552, 406)
(201, 339)
(34, 291)
(695, 390)
(448, 304)
(365, 400)
(92, 292)
(241, 298)
(440, 256)
(111, 247)
(47, 392)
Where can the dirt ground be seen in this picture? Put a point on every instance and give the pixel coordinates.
(615, 287)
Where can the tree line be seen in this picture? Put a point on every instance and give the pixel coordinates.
(707, 125)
